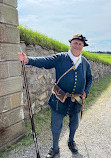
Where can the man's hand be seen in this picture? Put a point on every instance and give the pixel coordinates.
(84, 94)
(22, 57)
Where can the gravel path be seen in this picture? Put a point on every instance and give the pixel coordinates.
(93, 137)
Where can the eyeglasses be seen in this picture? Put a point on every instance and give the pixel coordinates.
(79, 44)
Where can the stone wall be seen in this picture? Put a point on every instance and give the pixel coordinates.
(99, 70)
(11, 111)
(41, 81)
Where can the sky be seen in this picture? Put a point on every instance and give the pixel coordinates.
(62, 19)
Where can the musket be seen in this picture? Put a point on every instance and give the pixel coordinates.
(30, 107)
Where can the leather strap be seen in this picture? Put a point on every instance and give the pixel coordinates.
(73, 67)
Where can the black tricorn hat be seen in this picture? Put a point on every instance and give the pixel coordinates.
(79, 37)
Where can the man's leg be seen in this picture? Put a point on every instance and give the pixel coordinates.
(56, 127)
(73, 125)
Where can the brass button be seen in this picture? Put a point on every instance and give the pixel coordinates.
(75, 86)
(75, 82)
(75, 72)
(75, 75)
(75, 79)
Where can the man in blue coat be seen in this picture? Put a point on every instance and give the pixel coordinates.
(76, 82)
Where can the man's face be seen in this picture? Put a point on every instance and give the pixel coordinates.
(76, 47)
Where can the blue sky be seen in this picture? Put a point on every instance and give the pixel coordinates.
(61, 19)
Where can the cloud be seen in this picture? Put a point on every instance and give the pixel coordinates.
(61, 19)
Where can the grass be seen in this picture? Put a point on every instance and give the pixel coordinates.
(31, 37)
(1, 154)
(100, 58)
(97, 89)
(42, 119)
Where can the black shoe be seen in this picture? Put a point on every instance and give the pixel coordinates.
(72, 146)
(52, 153)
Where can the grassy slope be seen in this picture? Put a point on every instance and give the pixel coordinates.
(31, 37)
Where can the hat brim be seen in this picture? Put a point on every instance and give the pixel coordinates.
(85, 44)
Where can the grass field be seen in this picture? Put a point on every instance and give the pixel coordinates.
(32, 37)
(100, 58)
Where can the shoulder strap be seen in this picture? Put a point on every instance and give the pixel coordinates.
(73, 67)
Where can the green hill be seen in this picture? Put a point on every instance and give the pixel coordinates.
(32, 37)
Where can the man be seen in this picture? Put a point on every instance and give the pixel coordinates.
(76, 82)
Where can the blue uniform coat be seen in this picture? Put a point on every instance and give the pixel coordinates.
(75, 82)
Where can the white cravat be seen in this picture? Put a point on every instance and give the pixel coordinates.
(74, 59)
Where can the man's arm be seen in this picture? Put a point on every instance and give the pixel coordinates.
(43, 62)
(40, 62)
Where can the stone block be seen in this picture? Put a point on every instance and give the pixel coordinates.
(3, 70)
(10, 85)
(8, 15)
(15, 100)
(9, 34)
(9, 51)
(11, 117)
(9, 102)
(12, 134)
(14, 68)
(9, 69)
(10, 2)
(5, 104)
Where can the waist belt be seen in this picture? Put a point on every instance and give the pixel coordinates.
(61, 95)
(74, 97)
